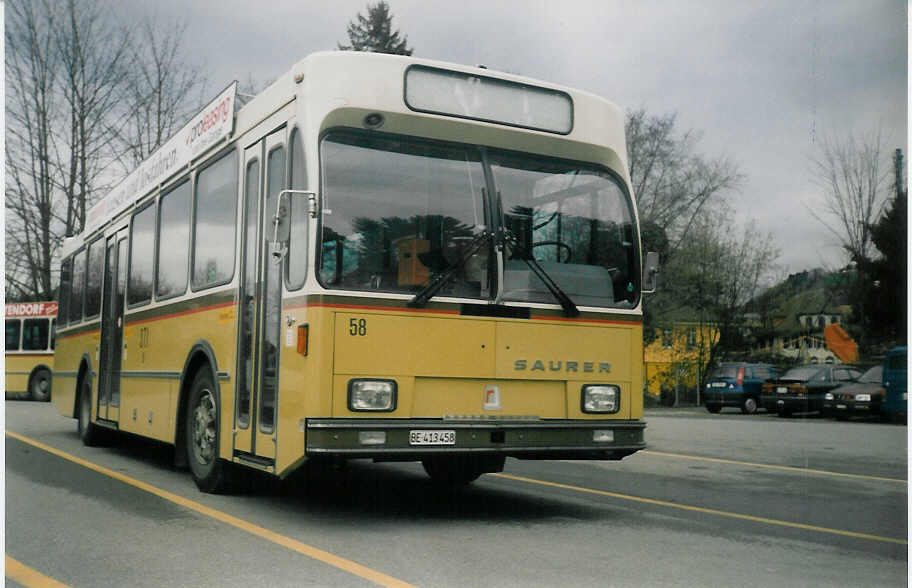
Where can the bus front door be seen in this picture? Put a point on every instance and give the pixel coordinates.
(260, 305)
(112, 316)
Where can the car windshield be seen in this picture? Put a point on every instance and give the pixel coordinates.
(398, 211)
(873, 375)
(725, 371)
(804, 374)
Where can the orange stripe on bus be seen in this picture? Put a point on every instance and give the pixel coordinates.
(181, 313)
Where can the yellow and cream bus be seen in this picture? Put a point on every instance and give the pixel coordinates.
(376, 257)
(29, 351)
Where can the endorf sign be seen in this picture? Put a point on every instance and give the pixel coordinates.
(213, 123)
(30, 309)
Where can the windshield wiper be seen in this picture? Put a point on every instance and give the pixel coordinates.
(440, 279)
(570, 309)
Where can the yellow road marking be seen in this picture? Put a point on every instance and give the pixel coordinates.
(292, 544)
(773, 467)
(711, 511)
(21, 573)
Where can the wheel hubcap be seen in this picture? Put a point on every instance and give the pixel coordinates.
(204, 428)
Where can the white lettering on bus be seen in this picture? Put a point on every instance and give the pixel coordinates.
(31, 309)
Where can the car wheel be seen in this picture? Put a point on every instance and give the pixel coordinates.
(40, 385)
(89, 432)
(209, 471)
(749, 406)
(714, 408)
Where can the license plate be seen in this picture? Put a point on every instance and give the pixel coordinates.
(781, 389)
(432, 437)
(841, 406)
(718, 384)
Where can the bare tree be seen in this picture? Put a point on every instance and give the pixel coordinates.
(161, 92)
(67, 66)
(31, 106)
(718, 271)
(93, 54)
(672, 183)
(855, 178)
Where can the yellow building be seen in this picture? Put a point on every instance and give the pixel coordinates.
(673, 358)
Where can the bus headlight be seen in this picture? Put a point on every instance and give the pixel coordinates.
(371, 395)
(601, 398)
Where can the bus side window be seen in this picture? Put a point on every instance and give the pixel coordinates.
(93, 279)
(13, 327)
(173, 242)
(53, 332)
(35, 334)
(76, 295)
(215, 225)
(142, 246)
(300, 216)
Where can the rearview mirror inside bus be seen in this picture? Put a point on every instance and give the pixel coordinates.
(650, 272)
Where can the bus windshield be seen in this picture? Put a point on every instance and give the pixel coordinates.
(399, 211)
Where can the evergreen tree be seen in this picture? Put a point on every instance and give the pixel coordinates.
(886, 297)
(374, 32)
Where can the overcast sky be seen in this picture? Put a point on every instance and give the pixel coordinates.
(762, 81)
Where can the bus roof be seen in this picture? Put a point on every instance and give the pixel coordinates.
(333, 80)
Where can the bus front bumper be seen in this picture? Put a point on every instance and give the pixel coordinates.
(414, 439)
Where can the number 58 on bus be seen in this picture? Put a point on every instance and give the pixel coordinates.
(376, 257)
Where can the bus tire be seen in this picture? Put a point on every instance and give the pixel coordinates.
(209, 471)
(89, 432)
(40, 385)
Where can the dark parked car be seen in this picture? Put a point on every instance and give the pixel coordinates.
(862, 397)
(802, 388)
(737, 384)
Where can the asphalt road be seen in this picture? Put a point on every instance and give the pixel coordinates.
(717, 500)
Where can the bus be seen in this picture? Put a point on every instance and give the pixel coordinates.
(377, 257)
(29, 352)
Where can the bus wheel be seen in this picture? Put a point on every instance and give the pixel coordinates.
(88, 431)
(40, 385)
(459, 470)
(209, 472)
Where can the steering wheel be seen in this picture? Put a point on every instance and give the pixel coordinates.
(561, 247)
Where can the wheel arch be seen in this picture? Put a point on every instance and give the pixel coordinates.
(200, 356)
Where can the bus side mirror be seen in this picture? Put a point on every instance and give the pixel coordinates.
(282, 220)
(650, 272)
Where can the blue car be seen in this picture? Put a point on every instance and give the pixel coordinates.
(737, 385)
(895, 405)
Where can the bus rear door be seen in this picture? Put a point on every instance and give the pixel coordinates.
(115, 279)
